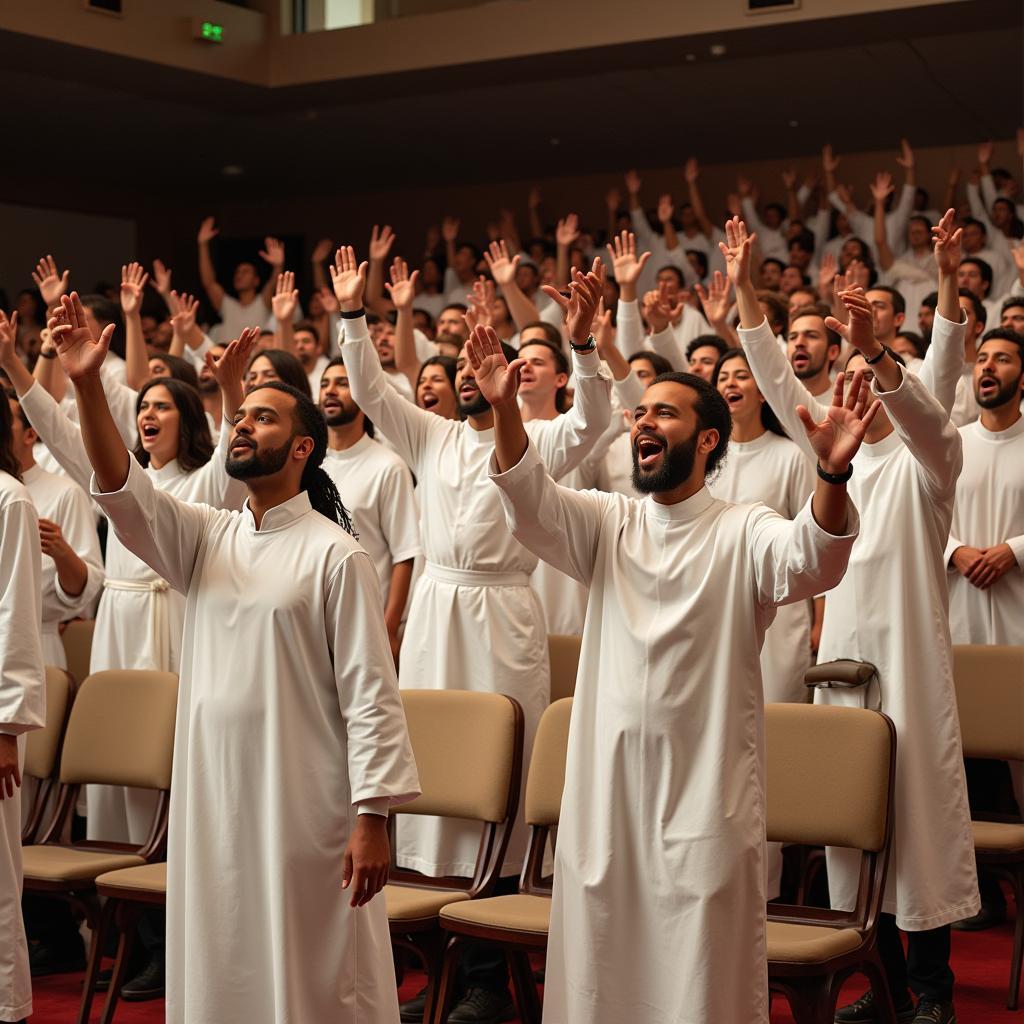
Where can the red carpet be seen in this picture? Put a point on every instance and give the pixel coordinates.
(981, 961)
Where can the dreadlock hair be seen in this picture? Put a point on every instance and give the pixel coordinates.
(769, 420)
(195, 446)
(309, 422)
(8, 463)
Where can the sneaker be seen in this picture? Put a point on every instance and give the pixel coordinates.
(930, 1011)
(148, 984)
(863, 1010)
(411, 1011)
(482, 1006)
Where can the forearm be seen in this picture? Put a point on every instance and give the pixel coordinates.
(948, 304)
(562, 267)
(881, 238)
(284, 336)
(103, 444)
(51, 377)
(671, 236)
(398, 594)
(629, 330)
(829, 506)
(135, 355)
(617, 362)
(747, 305)
(697, 203)
(406, 359)
(207, 275)
(72, 572)
(521, 308)
(374, 296)
(17, 372)
(510, 439)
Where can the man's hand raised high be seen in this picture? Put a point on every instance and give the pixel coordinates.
(51, 283)
(348, 277)
(80, 353)
(837, 438)
(497, 379)
(626, 265)
(500, 264)
(580, 307)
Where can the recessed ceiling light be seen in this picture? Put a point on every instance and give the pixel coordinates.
(718, 50)
(556, 142)
(794, 124)
(691, 56)
(232, 170)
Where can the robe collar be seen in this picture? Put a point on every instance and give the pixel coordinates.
(482, 438)
(752, 446)
(280, 516)
(995, 436)
(353, 451)
(166, 472)
(693, 507)
(31, 475)
(880, 449)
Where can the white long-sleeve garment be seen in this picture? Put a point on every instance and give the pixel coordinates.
(989, 510)
(474, 622)
(891, 610)
(288, 718)
(63, 502)
(22, 708)
(659, 864)
(773, 470)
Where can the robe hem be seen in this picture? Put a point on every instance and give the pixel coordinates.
(15, 1013)
(924, 924)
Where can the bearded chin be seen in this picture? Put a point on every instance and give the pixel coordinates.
(341, 419)
(1007, 393)
(476, 407)
(258, 464)
(676, 467)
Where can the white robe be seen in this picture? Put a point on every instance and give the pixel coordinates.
(474, 622)
(22, 708)
(658, 912)
(891, 610)
(288, 718)
(140, 619)
(63, 502)
(376, 487)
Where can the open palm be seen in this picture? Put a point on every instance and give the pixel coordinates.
(497, 380)
(838, 437)
(80, 353)
(348, 277)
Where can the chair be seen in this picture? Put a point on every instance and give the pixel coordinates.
(469, 754)
(830, 779)
(990, 700)
(519, 924)
(42, 749)
(564, 659)
(120, 733)
(77, 640)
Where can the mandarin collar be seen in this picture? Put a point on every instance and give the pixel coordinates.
(691, 508)
(280, 516)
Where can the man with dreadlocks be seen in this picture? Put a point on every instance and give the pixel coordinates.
(291, 742)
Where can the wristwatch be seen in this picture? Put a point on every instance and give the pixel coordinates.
(588, 346)
(835, 478)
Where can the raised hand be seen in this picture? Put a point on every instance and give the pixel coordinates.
(450, 229)
(329, 301)
(736, 250)
(882, 186)
(229, 368)
(286, 298)
(497, 379)
(8, 337)
(829, 161)
(402, 288)
(381, 241)
(581, 306)
(691, 171)
(183, 309)
(827, 272)
(626, 266)
(273, 252)
(500, 264)
(348, 277)
(744, 186)
(860, 331)
(666, 210)
(789, 177)
(838, 437)
(985, 154)
(633, 183)
(480, 304)
(733, 204)
(659, 311)
(322, 250)
(906, 156)
(715, 298)
(80, 353)
(208, 231)
(133, 280)
(51, 540)
(50, 282)
(161, 279)
(613, 200)
(567, 230)
(947, 244)
(534, 197)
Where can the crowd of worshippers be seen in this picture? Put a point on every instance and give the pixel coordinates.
(765, 317)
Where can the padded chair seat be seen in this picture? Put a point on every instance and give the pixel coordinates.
(61, 864)
(148, 878)
(406, 903)
(808, 944)
(998, 835)
(514, 913)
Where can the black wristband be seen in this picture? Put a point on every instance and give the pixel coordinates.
(588, 346)
(878, 358)
(48, 355)
(835, 478)
(352, 314)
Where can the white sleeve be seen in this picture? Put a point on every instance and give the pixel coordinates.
(944, 360)
(425, 348)
(62, 437)
(666, 344)
(896, 220)
(629, 331)
(78, 526)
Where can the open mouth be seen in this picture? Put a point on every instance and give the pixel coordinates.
(648, 450)
(987, 385)
(429, 399)
(733, 397)
(800, 360)
(149, 431)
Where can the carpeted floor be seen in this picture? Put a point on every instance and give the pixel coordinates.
(981, 961)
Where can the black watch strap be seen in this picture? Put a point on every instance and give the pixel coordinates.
(876, 359)
(835, 478)
(588, 346)
(352, 314)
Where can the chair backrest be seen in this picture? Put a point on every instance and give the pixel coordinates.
(121, 731)
(77, 640)
(564, 659)
(829, 775)
(546, 780)
(42, 746)
(469, 749)
(990, 699)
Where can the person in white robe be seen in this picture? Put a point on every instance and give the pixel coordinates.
(377, 489)
(904, 487)
(659, 864)
(22, 698)
(288, 686)
(474, 622)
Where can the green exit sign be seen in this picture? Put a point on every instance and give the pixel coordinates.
(208, 31)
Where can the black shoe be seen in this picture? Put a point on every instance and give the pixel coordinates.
(149, 984)
(482, 1006)
(930, 1011)
(103, 979)
(46, 960)
(991, 915)
(863, 1010)
(411, 1011)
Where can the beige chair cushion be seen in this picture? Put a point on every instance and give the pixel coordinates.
(77, 640)
(546, 780)
(43, 745)
(405, 903)
(997, 835)
(121, 731)
(564, 660)
(828, 775)
(990, 699)
(148, 878)
(63, 864)
(808, 944)
(513, 913)
(464, 744)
